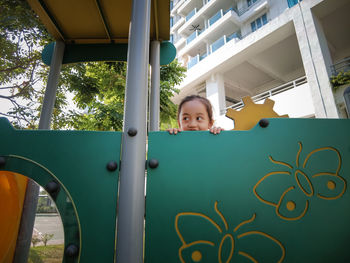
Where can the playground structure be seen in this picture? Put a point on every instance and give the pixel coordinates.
(262, 195)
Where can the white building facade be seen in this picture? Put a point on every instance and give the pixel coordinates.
(281, 49)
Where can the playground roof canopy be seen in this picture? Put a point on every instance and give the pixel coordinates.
(98, 21)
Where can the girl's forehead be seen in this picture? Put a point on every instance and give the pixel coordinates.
(193, 103)
(193, 106)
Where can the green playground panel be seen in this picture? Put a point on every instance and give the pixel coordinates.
(274, 194)
(74, 53)
(76, 161)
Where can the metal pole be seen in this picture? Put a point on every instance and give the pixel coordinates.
(131, 209)
(32, 191)
(51, 88)
(347, 100)
(155, 86)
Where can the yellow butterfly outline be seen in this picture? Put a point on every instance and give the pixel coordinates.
(290, 204)
(196, 255)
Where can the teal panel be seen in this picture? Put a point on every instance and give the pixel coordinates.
(274, 194)
(46, 54)
(76, 160)
(74, 53)
(167, 53)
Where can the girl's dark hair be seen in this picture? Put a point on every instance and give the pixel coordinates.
(204, 101)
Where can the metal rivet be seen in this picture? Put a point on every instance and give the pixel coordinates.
(132, 132)
(2, 161)
(71, 250)
(264, 123)
(52, 187)
(153, 163)
(112, 166)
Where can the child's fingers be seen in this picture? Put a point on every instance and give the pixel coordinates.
(216, 130)
(219, 129)
(176, 130)
(173, 131)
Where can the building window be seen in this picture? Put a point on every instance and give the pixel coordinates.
(171, 21)
(172, 38)
(259, 22)
(293, 2)
(250, 2)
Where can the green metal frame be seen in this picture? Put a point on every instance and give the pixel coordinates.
(74, 53)
(274, 194)
(76, 161)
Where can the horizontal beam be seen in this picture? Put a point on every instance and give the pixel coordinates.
(75, 53)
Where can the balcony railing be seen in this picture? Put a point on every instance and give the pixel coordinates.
(213, 47)
(218, 43)
(221, 13)
(193, 61)
(223, 40)
(218, 15)
(201, 57)
(190, 14)
(193, 36)
(272, 92)
(215, 17)
(243, 10)
(341, 66)
(292, 3)
(212, 20)
(236, 35)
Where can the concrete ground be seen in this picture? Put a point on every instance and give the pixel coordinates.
(50, 224)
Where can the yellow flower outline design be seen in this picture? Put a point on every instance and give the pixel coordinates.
(298, 171)
(196, 255)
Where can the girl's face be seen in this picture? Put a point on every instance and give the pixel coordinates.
(194, 117)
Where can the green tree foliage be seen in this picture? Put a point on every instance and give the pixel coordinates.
(98, 88)
(44, 205)
(341, 79)
(35, 240)
(46, 238)
(20, 36)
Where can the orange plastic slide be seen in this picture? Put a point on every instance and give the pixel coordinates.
(12, 192)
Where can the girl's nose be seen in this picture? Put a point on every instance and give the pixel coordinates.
(192, 123)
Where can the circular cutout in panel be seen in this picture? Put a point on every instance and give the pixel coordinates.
(22, 166)
(48, 234)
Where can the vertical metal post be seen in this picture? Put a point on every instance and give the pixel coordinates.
(32, 191)
(51, 88)
(131, 204)
(347, 100)
(155, 86)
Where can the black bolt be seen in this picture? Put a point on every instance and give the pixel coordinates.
(52, 187)
(71, 250)
(132, 132)
(153, 163)
(264, 123)
(112, 166)
(2, 161)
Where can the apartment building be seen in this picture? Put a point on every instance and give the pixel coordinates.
(285, 50)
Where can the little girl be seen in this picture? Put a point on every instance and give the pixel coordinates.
(195, 113)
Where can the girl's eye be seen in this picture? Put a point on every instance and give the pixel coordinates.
(186, 118)
(199, 118)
